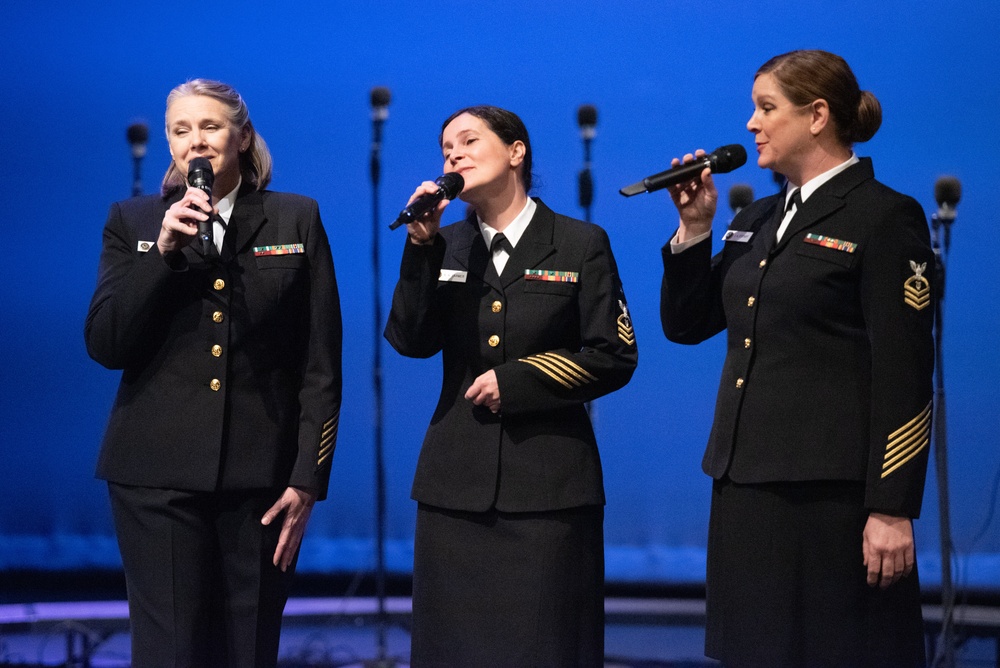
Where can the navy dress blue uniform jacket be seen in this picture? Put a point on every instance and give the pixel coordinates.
(231, 365)
(555, 329)
(828, 374)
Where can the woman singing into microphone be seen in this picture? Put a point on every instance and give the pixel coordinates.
(222, 433)
(528, 311)
(819, 446)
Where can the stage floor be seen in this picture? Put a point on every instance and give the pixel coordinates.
(640, 633)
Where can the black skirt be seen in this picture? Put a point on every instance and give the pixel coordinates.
(508, 589)
(786, 582)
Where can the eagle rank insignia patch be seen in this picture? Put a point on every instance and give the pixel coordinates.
(917, 289)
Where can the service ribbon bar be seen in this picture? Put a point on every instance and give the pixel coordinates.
(553, 276)
(830, 242)
(284, 249)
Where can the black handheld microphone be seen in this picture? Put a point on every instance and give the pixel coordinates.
(722, 160)
(201, 176)
(449, 187)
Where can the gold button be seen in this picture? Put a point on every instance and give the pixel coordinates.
(219, 284)
(494, 341)
(496, 306)
(739, 383)
(215, 384)
(217, 351)
(746, 343)
(218, 316)
(763, 263)
(751, 301)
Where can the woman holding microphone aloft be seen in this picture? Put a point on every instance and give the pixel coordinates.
(508, 564)
(819, 444)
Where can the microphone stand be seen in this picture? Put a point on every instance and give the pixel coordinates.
(944, 655)
(137, 135)
(136, 175)
(379, 115)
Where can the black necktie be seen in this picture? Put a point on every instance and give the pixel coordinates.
(499, 243)
(795, 200)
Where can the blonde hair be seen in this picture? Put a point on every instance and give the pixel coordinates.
(255, 162)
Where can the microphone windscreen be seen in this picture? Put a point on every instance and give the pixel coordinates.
(137, 133)
(740, 196)
(380, 96)
(947, 190)
(451, 184)
(586, 115)
(727, 158)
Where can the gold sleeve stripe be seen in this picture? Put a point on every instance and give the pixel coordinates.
(569, 364)
(547, 372)
(562, 370)
(906, 442)
(328, 438)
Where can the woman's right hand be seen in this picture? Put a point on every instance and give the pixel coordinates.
(180, 222)
(426, 227)
(695, 201)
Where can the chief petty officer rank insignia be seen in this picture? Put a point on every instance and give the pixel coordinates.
(917, 290)
(625, 331)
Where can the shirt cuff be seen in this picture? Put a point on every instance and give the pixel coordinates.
(681, 246)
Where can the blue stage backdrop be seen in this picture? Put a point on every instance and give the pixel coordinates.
(666, 78)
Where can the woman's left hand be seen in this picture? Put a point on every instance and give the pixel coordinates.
(296, 504)
(484, 391)
(888, 549)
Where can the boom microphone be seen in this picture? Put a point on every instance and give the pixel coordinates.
(201, 176)
(722, 160)
(449, 187)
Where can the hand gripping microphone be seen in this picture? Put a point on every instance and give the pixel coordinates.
(201, 176)
(449, 187)
(722, 160)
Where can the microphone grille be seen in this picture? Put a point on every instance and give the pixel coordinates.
(200, 173)
(947, 190)
(137, 133)
(727, 158)
(586, 115)
(380, 96)
(740, 196)
(451, 184)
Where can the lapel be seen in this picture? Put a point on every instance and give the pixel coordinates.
(248, 216)
(469, 251)
(535, 245)
(827, 200)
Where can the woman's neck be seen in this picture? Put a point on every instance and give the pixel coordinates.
(500, 210)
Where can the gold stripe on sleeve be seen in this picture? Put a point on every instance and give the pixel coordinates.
(906, 442)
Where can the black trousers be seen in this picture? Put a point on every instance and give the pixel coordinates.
(786, 583)
(202, 591)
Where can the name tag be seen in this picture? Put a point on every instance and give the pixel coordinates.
(739, 236)
(283, 249)
(145, 246)
(453, 276)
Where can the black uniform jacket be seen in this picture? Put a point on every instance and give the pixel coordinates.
(555, 329)
(828, 374)
(231, 365)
